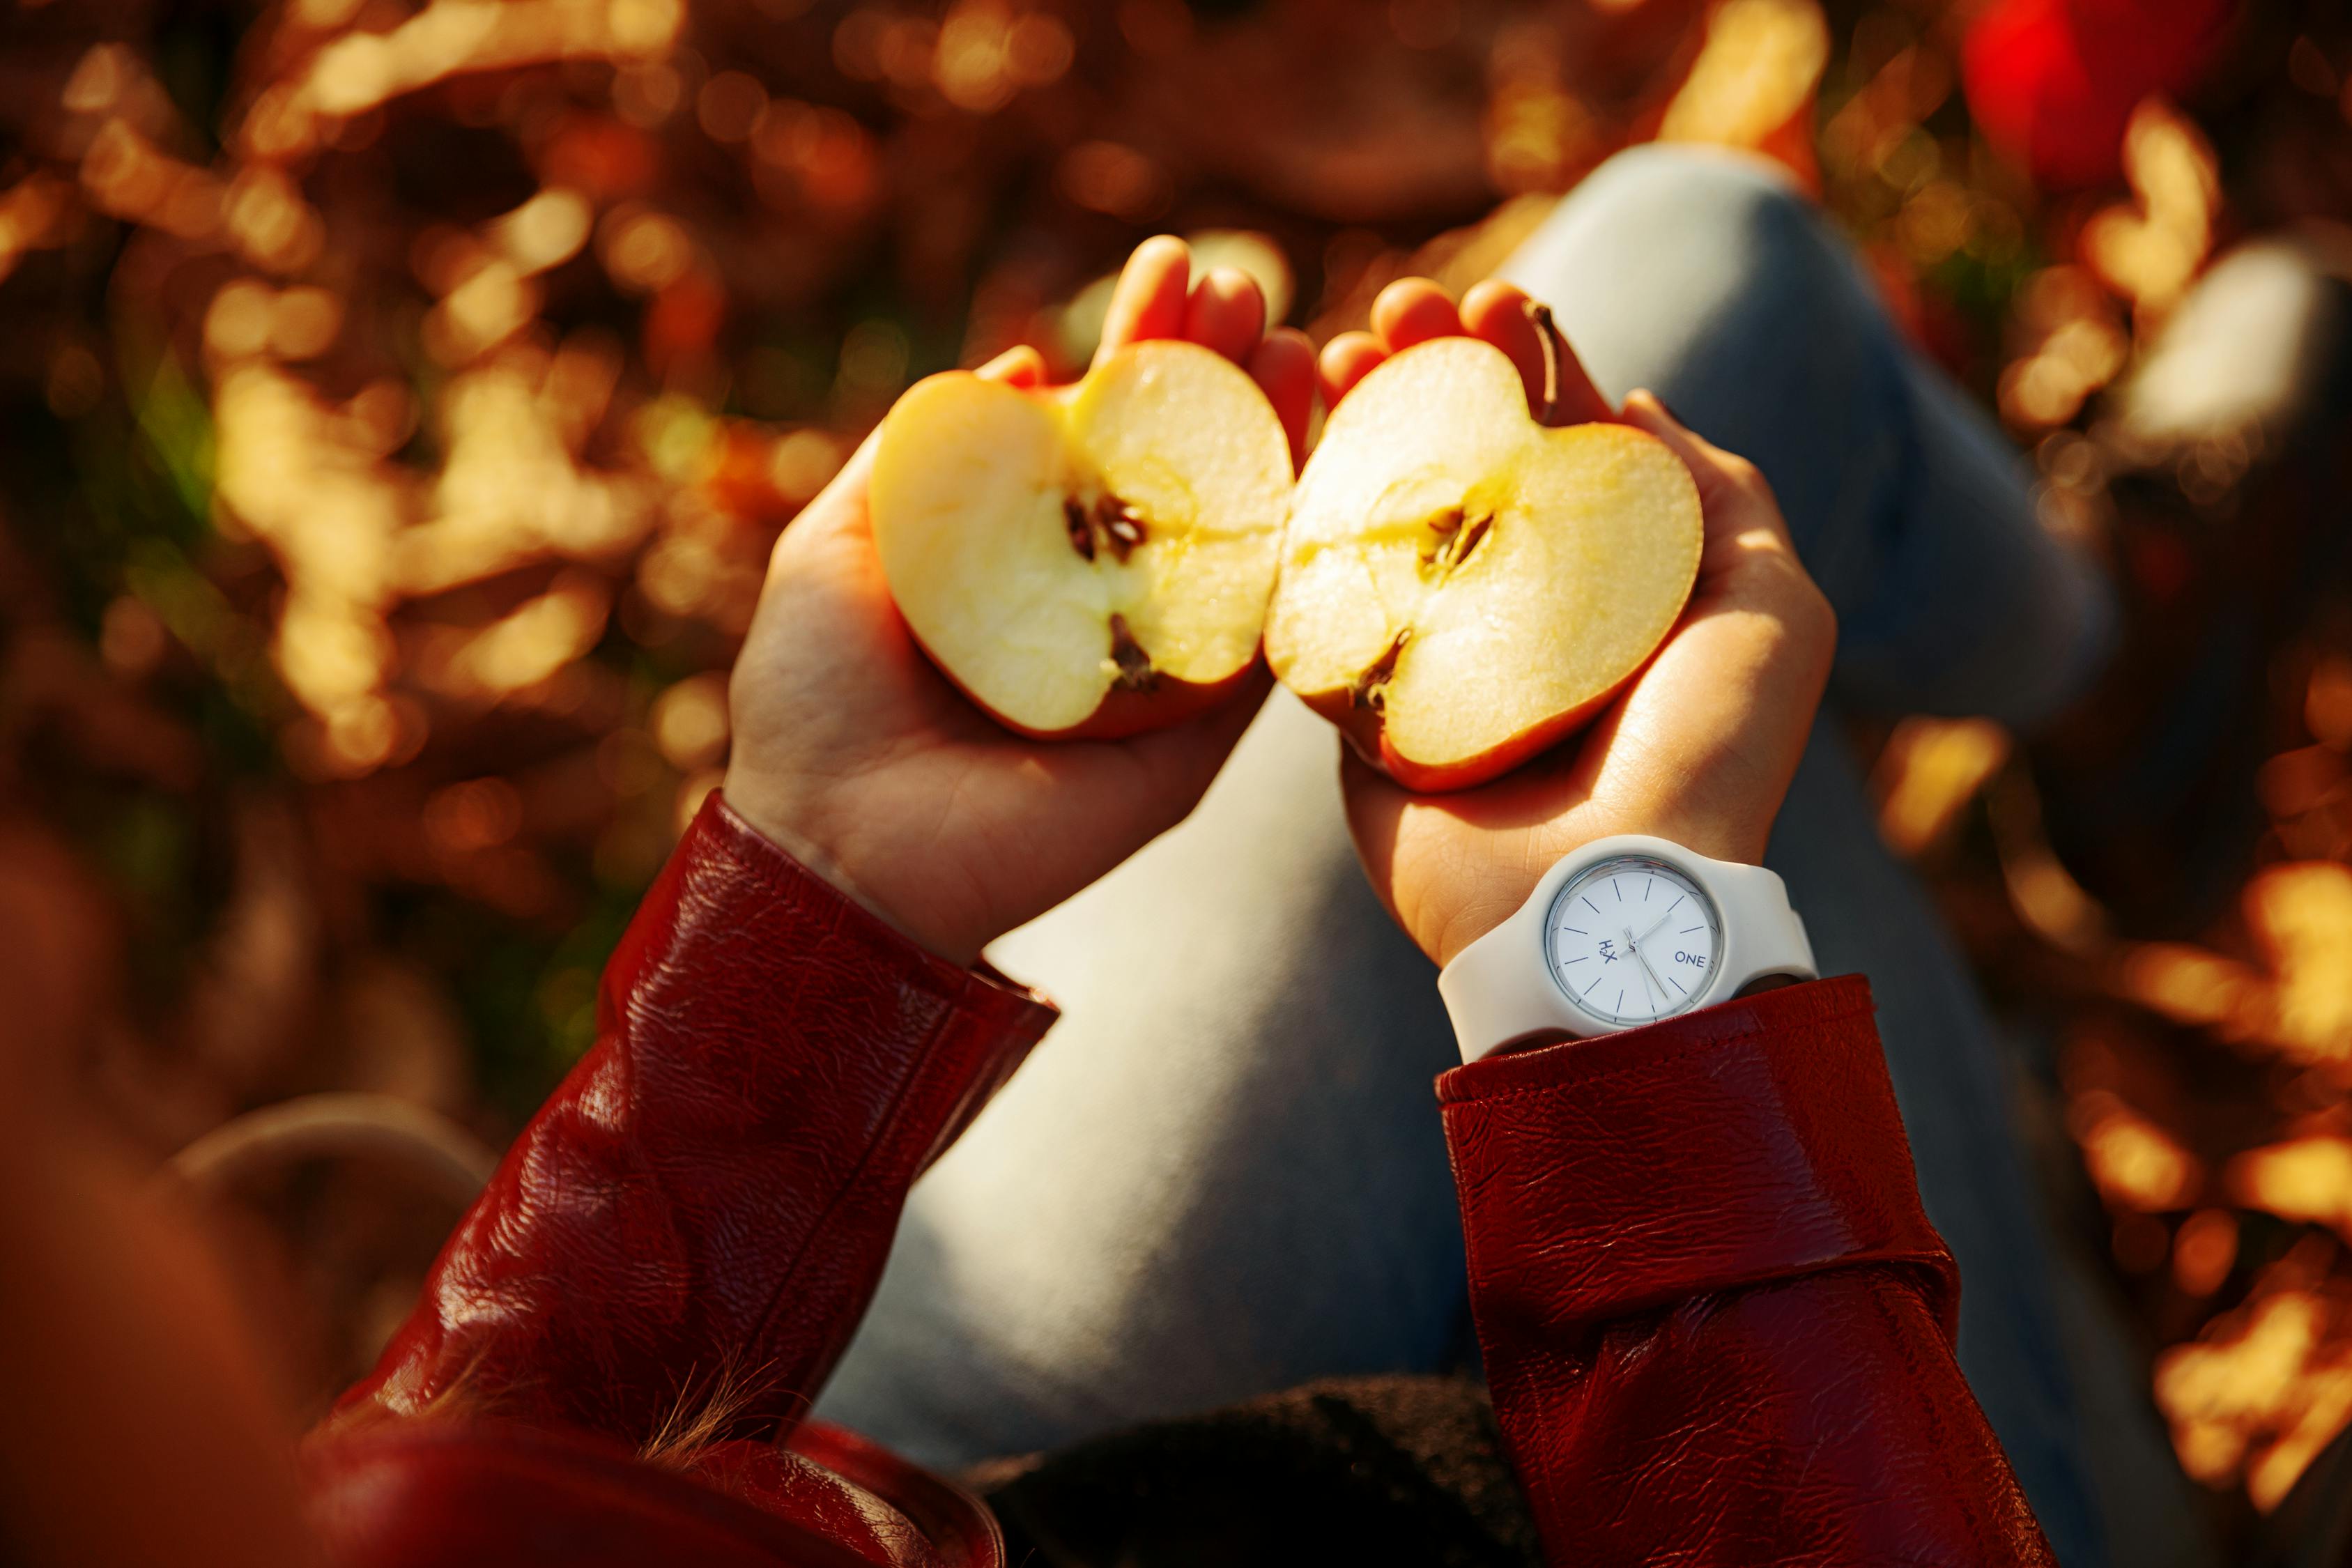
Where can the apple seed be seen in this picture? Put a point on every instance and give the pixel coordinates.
(1134, 671)
(1453, 538)
(1120, 524)
(1081, 533)
(1468, 539)
(1442, 528)
(1367, 692)
(1112, 525)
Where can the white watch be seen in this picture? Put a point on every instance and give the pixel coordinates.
(1619, 933)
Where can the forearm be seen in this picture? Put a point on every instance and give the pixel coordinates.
(1716, 1324)
(700, 1211)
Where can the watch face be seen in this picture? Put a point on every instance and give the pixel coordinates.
(1632, 939)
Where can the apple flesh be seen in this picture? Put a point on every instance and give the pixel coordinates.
(1462, 586)
(1092, 560)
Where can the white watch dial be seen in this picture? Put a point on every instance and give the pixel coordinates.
(1632, 939)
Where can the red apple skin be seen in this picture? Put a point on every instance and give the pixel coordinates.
(1368, 738)
(1120, 713)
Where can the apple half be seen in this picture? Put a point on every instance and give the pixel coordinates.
(1092, 560)
(1461, 586)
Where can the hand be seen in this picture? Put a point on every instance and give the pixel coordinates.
(857, 757)
(1699, 749)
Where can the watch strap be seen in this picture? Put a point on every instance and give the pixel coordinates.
(1500, 988)
(1762, 934)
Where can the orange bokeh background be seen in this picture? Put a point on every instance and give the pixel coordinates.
(403, 396)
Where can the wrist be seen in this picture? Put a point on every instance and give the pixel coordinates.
(826, 845)
(1487, 889)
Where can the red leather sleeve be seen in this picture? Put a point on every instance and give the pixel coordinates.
(704, 1204)
(1717, 1325)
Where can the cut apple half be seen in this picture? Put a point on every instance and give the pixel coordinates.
(1092, 560)
(1462, 586)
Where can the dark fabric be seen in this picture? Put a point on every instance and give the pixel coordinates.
(1366, 1470)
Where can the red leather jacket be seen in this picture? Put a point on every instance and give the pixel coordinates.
(1716, 1324)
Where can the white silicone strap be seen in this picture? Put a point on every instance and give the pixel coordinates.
(1500, 988)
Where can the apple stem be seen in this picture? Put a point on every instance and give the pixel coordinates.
(1555, 354)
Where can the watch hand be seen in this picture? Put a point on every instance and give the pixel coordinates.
(1645, 965)
(1654, 929)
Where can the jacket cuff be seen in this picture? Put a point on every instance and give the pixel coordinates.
(1744, 1143)
(732, 879)
(720, 846)
(708, 1199)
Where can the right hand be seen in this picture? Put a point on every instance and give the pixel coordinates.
(1699, 748)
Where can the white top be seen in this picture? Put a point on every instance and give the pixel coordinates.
(1619, 933)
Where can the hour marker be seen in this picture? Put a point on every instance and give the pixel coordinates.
(1676, 985)
(1620, 887)
(1687, 930)
(1572, 928)
(1593, 907)
(1586, 959)
(1594, 986)
(1671, 908)
(1646, 888)
(1619, 1006)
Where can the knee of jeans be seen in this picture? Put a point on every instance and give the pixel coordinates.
(1669, 255)
(1709, 199)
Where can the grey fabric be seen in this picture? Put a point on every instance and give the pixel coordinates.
(1698, 274)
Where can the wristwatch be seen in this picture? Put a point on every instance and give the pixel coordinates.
(1619, 933)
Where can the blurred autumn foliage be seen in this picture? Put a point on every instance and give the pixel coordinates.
(402, 396)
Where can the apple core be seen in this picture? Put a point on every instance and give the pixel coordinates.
(1088, 560)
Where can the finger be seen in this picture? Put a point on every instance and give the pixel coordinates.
(1498, 311)
(1727, 703)
(1149, 298)
(841, 505)
(1504, 315)
(1376, 805)
(1736, 498)
(1723, 710)
(1413, 310)
(1019, 366)
(1226, 312)
(1283, 368)
(1346, 360)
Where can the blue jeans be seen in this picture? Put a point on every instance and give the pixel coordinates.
(1223, 1174)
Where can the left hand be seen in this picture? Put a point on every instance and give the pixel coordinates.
(859, 758)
